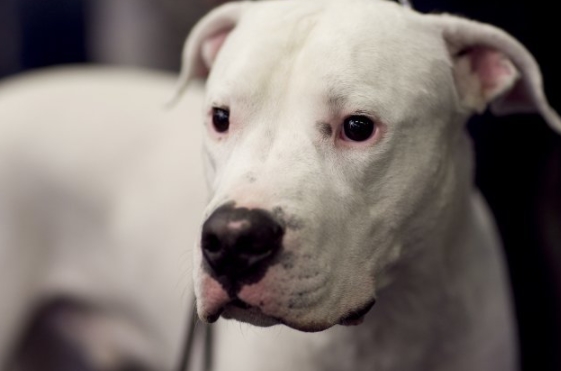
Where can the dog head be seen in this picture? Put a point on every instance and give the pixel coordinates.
(335, 148)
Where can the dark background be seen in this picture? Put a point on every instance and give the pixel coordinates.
(519, 172)
(518, 157)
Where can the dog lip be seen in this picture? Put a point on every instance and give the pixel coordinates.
(352, 319)
(248, 313)
(211, 318)
(309, 328)
(235, 302)
(240, 304)
(356, 317)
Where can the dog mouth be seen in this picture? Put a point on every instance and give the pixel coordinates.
(356, 317)
(240, 310)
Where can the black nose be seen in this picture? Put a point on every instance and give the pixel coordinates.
(238, 242)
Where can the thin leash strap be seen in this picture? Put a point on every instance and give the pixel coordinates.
(207, 363)
(189, 341)
(194, 327)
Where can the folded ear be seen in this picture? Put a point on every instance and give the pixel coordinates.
(205, 41)
(493, 69)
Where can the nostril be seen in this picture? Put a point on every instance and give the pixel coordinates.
(211, 243)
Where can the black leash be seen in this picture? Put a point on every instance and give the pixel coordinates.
(195, 326)
(207, 361)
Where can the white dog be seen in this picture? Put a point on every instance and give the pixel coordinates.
(340, 177)
(101, 195)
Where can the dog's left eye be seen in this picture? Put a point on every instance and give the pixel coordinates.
(221, 119)
(358, 128)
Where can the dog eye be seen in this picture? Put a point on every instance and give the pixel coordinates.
(358, 128)
(221, 119)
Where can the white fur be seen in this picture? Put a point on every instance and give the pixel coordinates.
(101, 196)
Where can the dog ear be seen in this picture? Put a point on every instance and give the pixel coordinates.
(493, 69)
(204, 43)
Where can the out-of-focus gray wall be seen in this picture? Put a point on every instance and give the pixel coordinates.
(142, 32)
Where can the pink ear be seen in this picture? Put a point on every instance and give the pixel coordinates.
(212, 46)
(492, 69)
(483, 75)
(204, 43)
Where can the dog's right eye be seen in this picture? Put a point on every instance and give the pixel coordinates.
(220, 119)
(358, 128)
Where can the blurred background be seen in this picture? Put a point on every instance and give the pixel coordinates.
(146, 33)
(518, 158)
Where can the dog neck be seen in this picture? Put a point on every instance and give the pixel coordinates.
(452, 305)
(447, 311)
(447, 305)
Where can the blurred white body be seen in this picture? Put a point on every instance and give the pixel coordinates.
(101, 195)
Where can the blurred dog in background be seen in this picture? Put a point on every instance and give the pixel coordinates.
(101, 194)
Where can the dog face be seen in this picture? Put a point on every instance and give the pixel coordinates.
(335, 149)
